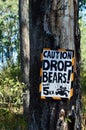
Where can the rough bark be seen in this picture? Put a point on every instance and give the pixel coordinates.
(53, 24)
(24, 49)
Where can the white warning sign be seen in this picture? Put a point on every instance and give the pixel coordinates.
(56, 73)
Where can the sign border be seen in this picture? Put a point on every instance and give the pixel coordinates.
(72, 76)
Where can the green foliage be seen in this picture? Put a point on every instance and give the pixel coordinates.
(11, 121)
(9, 27)
(82, 3)
(82, 24)
(83, 44)
(83, 51)
(10, 85)
(11, 103)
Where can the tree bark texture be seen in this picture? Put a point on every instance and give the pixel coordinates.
(24, 49)
(53, 24)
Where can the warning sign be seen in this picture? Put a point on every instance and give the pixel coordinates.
(57, 73)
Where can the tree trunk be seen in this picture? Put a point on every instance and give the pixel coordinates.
(53, 24)
(24, 49)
